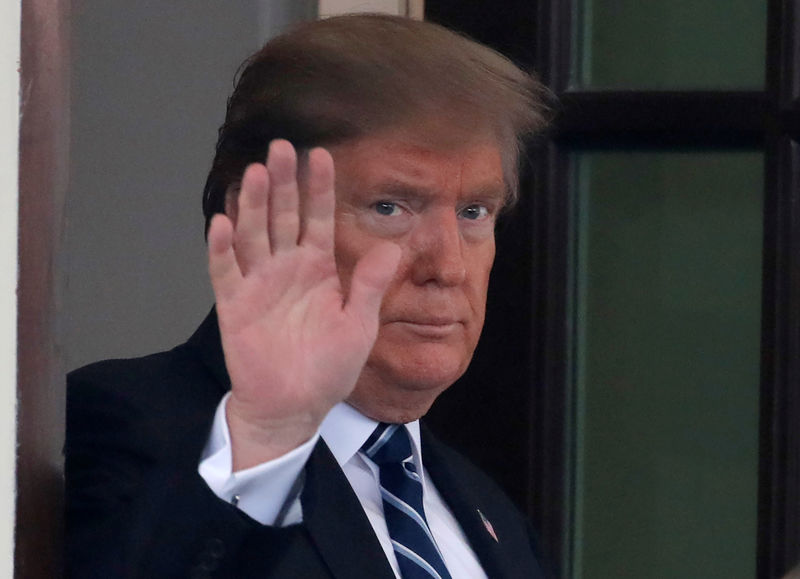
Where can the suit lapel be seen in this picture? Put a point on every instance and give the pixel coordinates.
(337, 523)
(468, 508)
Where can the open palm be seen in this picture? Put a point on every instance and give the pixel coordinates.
(294, 343)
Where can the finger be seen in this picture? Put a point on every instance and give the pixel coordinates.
(251, 241)
(284, 217)
(320, 202)
(222, 266)
(371, 277)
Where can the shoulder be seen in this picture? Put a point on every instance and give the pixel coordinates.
(481, 506)
(164, 396)
(447, 463)
(151, 379)
(198, 360)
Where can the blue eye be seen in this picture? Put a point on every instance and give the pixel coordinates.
(474, 212)
(386, 207)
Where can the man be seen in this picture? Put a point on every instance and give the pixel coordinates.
(347, 300)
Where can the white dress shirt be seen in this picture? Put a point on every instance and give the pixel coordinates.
(262, 490)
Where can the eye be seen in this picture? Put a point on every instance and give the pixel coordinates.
(386, 208)
(474, 212)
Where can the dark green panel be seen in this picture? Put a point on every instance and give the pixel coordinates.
(679, 44)
(667, 364)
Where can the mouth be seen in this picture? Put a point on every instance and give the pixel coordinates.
(436, 328)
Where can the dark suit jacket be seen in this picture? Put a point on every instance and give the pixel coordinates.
(137, 508)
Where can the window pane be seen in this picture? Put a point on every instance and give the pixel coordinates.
(667, 303)
(680, 44)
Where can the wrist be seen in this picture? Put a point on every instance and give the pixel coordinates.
(256, 440)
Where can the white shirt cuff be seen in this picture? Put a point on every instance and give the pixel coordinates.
(259, 491)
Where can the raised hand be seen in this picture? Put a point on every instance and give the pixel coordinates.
(294, 343)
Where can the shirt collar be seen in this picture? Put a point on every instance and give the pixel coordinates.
(345, 430)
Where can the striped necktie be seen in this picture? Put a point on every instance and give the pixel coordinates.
(401, 490)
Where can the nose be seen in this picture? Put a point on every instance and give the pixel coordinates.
(438, 256)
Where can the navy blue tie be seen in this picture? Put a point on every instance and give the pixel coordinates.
(401, 490)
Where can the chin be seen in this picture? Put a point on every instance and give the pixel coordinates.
(399, 383)
(421, 368)
(393, 404)
(423, 379)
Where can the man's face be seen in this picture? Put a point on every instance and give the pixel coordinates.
(440, 207)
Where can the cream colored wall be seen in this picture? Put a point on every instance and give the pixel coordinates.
(9, 157)
(413, 8)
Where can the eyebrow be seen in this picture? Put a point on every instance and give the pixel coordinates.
(398, 188)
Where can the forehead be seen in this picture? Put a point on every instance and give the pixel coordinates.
(404, 161)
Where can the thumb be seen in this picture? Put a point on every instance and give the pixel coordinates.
(371, 277)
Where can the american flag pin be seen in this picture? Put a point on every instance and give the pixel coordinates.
(488, 526)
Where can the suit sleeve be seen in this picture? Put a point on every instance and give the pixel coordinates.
(136, 505)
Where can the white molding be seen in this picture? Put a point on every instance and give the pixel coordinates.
(411, 8)
(10, 24)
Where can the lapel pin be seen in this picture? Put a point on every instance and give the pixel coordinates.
(488, 526)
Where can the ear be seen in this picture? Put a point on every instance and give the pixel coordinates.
(232, 201)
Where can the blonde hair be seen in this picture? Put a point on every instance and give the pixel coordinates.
(337, 79)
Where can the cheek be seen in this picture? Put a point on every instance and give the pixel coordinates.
(480, 264)
(480, 270)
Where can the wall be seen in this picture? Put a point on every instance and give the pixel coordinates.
(412, 8)
(149, 84)
(9, 135)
